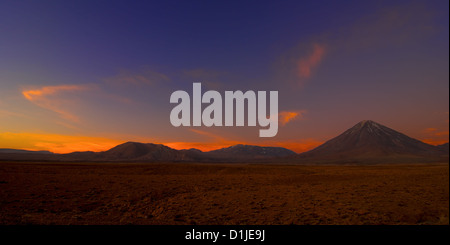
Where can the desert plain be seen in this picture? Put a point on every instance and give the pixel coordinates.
(49, 193)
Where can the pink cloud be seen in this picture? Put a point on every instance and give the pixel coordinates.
(307, 64)
(287, 116)
(46, 97)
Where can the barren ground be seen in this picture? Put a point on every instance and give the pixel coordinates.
(107, 193)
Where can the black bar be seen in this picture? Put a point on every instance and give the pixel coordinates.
(272, 234)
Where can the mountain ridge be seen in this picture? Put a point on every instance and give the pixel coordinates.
(9, 150)
(365, 142)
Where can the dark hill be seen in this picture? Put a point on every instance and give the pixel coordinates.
(133, 151)
(253, 151)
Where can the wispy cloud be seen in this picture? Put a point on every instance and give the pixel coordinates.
(386, 27)
(33, 95)
(288, 116)
(306, 65)
(49, 97)
(300, 63)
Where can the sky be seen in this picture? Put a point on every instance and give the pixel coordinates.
(88, 75)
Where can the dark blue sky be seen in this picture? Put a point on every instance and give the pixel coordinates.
(99, 37)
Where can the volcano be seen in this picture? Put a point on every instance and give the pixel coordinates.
(369, 141)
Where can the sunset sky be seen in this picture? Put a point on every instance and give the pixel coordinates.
(88, 75)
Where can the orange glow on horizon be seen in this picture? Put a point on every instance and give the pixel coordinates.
(435, 136)
(435, 141)
(68, 143)
(55, 143)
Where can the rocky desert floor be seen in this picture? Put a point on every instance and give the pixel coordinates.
(211, 194)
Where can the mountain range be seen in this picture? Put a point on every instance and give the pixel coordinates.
(4, 150)
(364, 143)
